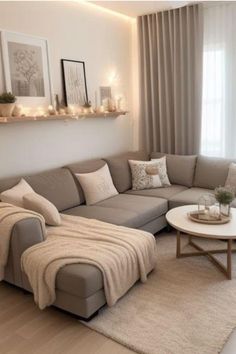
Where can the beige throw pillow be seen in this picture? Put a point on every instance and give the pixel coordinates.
(15, 194)
(145, 175)
(161, 163)
(231, 178)
(39, 204)
(97, 185)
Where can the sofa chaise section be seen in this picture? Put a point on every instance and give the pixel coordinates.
(84, 296)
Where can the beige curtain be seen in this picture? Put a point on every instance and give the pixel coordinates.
(171, 53)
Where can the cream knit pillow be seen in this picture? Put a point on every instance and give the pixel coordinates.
(97, 185)
(15, 194)
(39, 204)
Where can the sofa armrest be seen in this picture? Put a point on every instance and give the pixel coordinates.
(25, 233)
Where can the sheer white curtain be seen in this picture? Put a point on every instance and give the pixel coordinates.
(218, 136)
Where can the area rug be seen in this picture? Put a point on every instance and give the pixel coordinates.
(187, 306)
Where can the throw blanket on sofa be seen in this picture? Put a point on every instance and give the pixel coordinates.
(9, 216)
(123, 255)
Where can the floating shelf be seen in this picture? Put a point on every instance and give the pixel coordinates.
(65, 117)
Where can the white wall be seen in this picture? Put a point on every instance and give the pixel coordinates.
(80, 32)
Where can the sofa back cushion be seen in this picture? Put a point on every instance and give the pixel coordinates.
(211, 172)
(120, 169)
(84, 167)
(56, 185)
(180, 168)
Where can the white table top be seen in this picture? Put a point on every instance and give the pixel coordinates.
(179, 219)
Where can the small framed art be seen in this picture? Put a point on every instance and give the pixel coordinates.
(74, 82)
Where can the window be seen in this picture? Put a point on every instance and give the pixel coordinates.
(213, 103)
(218, 136)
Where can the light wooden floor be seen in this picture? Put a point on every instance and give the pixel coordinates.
(24, 329)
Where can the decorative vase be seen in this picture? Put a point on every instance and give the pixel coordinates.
(6, 109)
(225, 209)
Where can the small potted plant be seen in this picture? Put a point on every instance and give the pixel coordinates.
(224, 196)
(7, 104)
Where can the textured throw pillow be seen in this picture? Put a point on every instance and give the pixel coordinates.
(97, 185)
(39, 204)
(231, 178)
(145, 175)
(15, 194)
(161, 163)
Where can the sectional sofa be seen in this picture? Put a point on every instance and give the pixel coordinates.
(79, 287)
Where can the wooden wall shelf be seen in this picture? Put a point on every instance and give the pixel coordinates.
(65, 117)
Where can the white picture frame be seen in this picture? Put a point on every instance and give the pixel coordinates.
(26, 68)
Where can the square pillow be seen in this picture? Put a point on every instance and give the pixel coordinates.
(39, 204)
(145, 175)
(97, 186)
(231, 178)
(15, 194)
(161, 163)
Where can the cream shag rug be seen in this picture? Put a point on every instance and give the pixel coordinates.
(187, 306)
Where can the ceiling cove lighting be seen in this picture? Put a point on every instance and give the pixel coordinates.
(105, 10)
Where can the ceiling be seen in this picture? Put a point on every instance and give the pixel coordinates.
(137, 8)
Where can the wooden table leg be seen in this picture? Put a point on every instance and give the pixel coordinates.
(178, 245)
(229, 259)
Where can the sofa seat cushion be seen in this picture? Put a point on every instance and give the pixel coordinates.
(80, 280)
(188, 197)
(166, 193)
(123, 209)
(144, 208)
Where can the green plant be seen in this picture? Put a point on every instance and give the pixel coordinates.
(7, 97)
(224, 195)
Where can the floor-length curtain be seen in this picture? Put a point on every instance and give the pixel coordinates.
(219, 81)
(170, 61)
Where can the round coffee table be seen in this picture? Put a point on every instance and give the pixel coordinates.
(178, 218)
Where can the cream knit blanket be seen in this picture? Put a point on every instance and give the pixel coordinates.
(9, 216)
(123, 255)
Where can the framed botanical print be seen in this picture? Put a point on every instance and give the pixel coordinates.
(26, 68)
(74, 82)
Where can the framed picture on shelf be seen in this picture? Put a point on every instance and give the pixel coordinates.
(74, 82)
(105, 92)
(26, 68)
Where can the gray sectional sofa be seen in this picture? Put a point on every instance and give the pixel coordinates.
(79, 287)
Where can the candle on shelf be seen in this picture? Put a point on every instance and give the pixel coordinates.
(51, 110)
(40, 111)
(101, 109)
(18, 110)
(62, 111)
(69, 109)
(25, 111)
(85, 110)
(105, 103)
(118, 103)
(111, 105)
